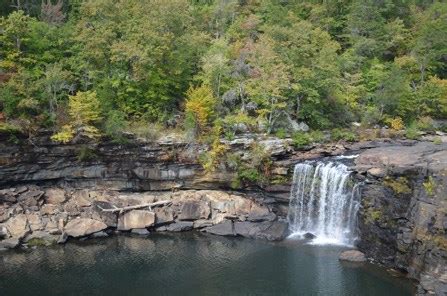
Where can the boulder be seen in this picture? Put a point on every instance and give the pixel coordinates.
(272, 231)
(49, 209)
(202, 223)
(18, 226)
(260, 213)
(62, 238)
(30, 198)
(352, 256)
(309, 235)
(136, 219)
(52, 227)
(278, 230)
(7, 195)
(83, 226)
(377, 172)
(140, 231)
(40, 238)
(179, 226)
(194, 210)
(163, 215)
(298, 127)
(3, 232)
(99, 234)
(81, 198)
(35, 221)
(55, 196)
(223, 228)
(111, 219)
(275, 147)
(9, 243)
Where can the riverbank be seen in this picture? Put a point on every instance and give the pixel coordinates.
(401, 221)
(190, 263)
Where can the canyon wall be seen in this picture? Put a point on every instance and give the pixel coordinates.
(401, 222)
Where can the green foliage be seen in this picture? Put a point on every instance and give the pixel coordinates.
(343, 134)
(301, 140)
(412, 132)
(200, 107)
(86, 154)
(84, 110)
(430, 186)
(257, 65)
(9, 129)
(399, 185)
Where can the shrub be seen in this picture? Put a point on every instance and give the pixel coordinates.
(301, 140)
(143, 129)
(86, 154)
(9, 129)
(399, 185)
(115, 125)
(343, 134)
(412, 132)
(430, 186)
(200, 107)
(396, 123)
(425, 123)
(84, 110)
(281, 133)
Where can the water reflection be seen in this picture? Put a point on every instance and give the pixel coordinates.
(188, 264)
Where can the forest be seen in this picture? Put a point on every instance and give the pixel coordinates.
(216, 68)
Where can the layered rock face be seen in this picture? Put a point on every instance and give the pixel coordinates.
(49, 215)
(403, 218)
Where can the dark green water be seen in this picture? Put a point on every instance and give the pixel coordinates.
(189, 264)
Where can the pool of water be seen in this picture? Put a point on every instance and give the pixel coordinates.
(190, 264)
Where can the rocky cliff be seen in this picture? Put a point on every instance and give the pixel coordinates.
(402, 220)
(403, 217)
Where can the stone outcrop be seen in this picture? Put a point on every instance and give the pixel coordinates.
(352, 256)
(83, 226)
(403, 217)
(65, 213)
(136, 219)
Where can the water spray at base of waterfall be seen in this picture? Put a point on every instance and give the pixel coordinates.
(323, 204)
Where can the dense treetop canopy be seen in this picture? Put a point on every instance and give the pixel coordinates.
(261, 65)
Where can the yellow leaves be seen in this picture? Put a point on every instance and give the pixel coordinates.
(84, 108)
(200, 103)
(84, 111)
(396, 123)
(65, 135)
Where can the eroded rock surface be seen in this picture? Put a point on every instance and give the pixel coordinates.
(403, 217)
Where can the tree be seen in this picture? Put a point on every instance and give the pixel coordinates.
(84, 110)
(268, 82)
(200, 107)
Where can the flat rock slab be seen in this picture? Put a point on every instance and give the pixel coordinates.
(18, 226)
(352, 256)
(136, 219)
(9, 243)
(55, 196)
(272, 231)
(140, 231)
(194, 210)
(179, 226)
(83, 226)
(223, 228)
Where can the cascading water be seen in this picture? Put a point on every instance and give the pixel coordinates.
(323, 202)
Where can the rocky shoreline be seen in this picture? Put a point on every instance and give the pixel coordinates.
(32, 215)
(49, 193)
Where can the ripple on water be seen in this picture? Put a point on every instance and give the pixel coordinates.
(190, 264)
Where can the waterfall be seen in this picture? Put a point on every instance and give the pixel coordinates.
(323, 202)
